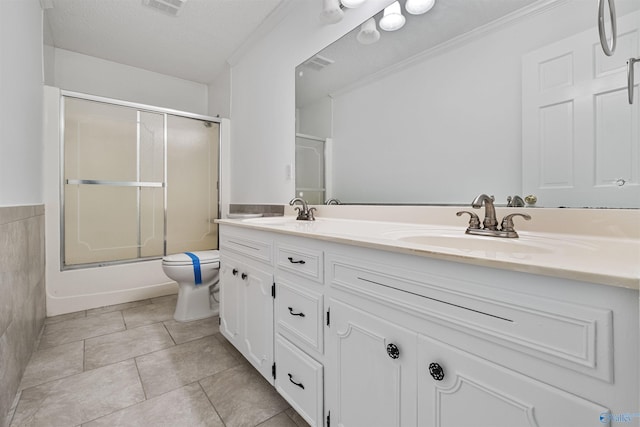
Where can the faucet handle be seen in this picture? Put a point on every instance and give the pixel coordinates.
(507, 221)
(311, 211)
(474, 221)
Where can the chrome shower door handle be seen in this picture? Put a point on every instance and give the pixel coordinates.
(630, 79)
(606, 47)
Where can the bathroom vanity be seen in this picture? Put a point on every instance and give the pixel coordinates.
(376, 323)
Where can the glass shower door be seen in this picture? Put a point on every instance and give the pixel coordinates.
(192, 184)
(113, 182)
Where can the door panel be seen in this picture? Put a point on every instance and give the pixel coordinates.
(369, 388)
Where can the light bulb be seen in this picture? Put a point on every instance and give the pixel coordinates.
(331, 12)
(352, 3)
(418, 7)
(368, 33)
(392, 18)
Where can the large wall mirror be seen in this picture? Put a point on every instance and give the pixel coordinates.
(504, 97)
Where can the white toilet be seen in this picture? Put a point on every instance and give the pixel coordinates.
(197, 275)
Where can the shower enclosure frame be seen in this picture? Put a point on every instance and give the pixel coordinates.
(139, 184)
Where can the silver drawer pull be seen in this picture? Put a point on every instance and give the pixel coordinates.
(301, 261)
(298, 384)
(301, 314)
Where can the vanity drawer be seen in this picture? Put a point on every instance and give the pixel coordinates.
(299, 381)
(299, 314)
(252, 247)
(569, 335)
(302, 261)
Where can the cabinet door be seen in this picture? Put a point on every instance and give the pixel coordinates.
(230, 300)
(246, 312)
(372, 381)
(456, 389)
(257, 318)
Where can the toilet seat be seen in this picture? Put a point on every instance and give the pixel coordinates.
(206, 257)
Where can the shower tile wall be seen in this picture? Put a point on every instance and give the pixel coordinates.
(22, 294)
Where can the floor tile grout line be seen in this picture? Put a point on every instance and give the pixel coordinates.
(209, 399)
(124, 321)
(96, 336)
(81, 339)
(284, 411)
(84, 358)
(144, 392)
(65, 320)
(126, 407)
(169, 332)
(108, 333)
(155, 397)
(15, 407)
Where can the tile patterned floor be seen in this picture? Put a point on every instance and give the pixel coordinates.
(133, 365)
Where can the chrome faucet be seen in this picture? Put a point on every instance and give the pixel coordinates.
(515, 202)
(490, 222)
(305, 213)
(333, 202)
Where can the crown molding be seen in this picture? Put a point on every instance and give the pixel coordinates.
(270, 22)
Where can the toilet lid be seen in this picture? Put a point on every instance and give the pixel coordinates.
(206, 257)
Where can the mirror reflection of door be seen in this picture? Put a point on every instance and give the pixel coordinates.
(310, 168)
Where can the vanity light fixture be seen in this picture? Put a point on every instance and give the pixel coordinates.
(392, 18)
(351, 4)
(368, 33)
(418, 7)
(331, 12)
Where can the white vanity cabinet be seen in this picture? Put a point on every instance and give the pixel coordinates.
(272, 311)
(421, 342)
(246, 301)
(364, 337)
(299, 326)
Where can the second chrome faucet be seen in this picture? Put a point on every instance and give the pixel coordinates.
(305, 213)
(490, 222)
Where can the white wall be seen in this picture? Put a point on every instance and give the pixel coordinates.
(95, 76)
(316, 119)
(263, 99)
(20, 102)
(219, 99)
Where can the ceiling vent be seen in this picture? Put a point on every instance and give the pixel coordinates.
(169, 7)
(318, 62)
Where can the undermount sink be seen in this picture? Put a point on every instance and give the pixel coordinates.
(466, 243)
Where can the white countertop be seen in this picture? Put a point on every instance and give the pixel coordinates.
(613, 261)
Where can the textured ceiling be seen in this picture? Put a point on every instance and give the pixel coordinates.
(194, 45)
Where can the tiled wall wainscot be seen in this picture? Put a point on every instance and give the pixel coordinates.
(22, 295)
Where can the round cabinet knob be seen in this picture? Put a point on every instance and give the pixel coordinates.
(244, 276)
(234, 272)
(436, 371)
(393, 351)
